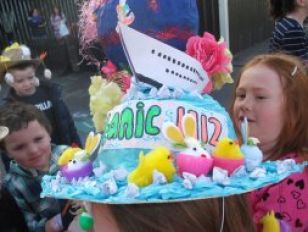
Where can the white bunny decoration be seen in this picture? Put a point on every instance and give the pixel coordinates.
(193, 158)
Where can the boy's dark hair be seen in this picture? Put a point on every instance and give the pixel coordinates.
(22, 66)
(17, 115)
(280, 8)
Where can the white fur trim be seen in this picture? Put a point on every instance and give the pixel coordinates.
(25, 50)
(36, 81)
(4, 131)
(47, 73)
(9, 78)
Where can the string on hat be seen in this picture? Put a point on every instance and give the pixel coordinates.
(294, 71)
(223, 215)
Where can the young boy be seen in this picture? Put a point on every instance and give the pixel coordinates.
(8, 206)
(28, 145)
(18, 69)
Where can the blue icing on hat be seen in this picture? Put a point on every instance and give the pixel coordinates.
(172, 22)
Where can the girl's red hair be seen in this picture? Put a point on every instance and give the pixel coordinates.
(293, 75)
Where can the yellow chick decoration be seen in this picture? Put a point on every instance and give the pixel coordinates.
(228, 149)
(270, 223)
(104, 96)
(159, 159)
(68, 155)
(91, 145)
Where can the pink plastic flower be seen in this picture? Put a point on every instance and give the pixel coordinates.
(122, 78)
(213, 55)
(109, 68)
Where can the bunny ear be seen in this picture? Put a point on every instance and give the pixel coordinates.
(189, 125)
(244, 130)
(172, 133)
(92, 145)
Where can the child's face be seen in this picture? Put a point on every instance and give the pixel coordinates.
(35, 12)
(260, 98)
(24, 81)
(56, 10)
(30, 146)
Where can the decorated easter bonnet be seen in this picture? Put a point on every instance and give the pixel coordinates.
(166, 141)
(16, 55)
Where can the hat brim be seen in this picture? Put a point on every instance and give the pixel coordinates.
(165, 193)
(5, 66)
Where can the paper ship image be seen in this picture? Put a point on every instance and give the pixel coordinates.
(157, 63)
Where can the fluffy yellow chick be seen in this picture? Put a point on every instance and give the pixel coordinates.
(270, 223)
(158, 159)
(67, 155)
(228, 149)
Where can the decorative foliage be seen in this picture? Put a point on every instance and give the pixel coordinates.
(104, 96)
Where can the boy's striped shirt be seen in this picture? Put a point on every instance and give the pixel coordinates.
(289, 36)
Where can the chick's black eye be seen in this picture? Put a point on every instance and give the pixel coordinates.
(169, 156)
(230, 143)
(195, 149)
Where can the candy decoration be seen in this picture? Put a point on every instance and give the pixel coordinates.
(86, 221)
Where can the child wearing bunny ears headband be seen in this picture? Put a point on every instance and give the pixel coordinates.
(15, 63)
(18, 69)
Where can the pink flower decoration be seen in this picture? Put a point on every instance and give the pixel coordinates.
(122, 78)
(213, 55)
(109, 68)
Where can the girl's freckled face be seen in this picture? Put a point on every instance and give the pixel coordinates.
(260, 98)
